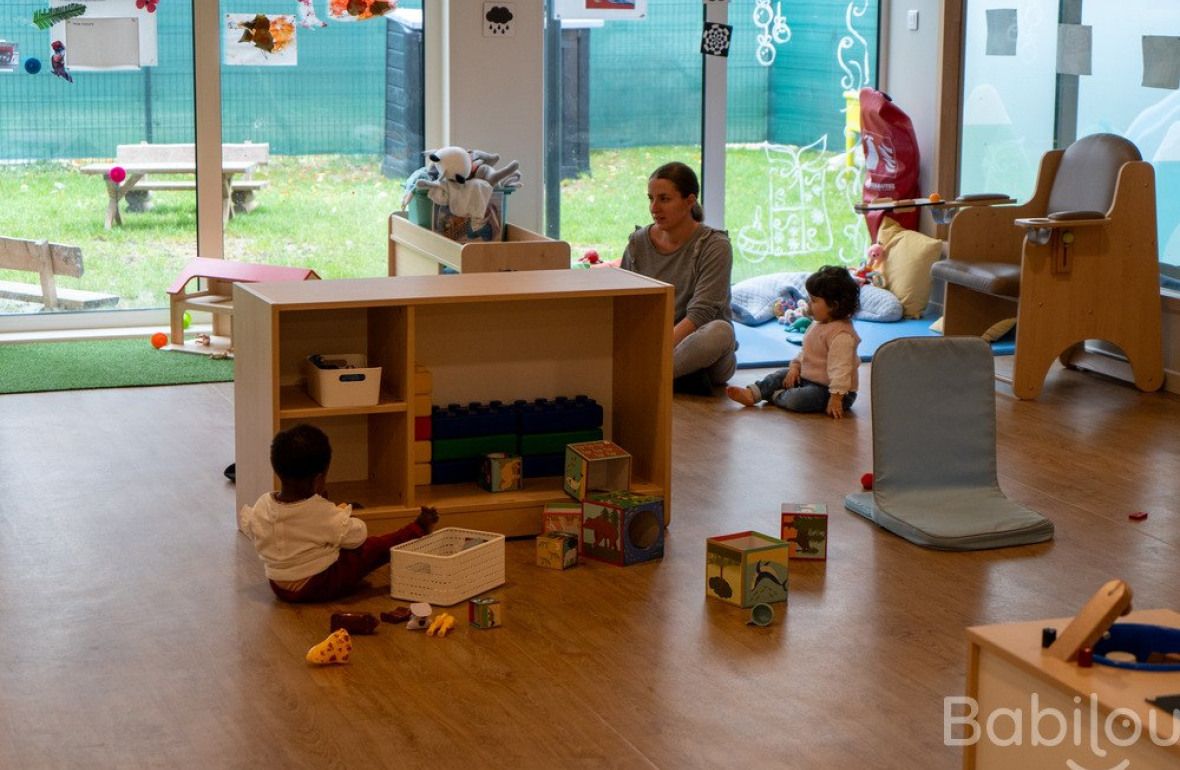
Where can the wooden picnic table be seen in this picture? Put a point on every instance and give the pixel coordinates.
(116, 191)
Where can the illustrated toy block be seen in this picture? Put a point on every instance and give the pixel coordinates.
(805, 528)
(485, 613)
(557, 550)
(623, 527)
(500, 472)
(746, 568)
(596, 466)
(563, 517)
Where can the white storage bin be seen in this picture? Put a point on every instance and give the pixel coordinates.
(447, 566)
(358, 386)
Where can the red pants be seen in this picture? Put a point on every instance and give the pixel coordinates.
(354, 564)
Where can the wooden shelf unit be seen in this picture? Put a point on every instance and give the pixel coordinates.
(416, 250)
(484, 336)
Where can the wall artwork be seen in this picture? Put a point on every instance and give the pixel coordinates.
(9, 56)
(600, 9)
(359, 10)
(1002, 32)
(499, 20)
(715, 39)
(1161, 61)
(260, 40)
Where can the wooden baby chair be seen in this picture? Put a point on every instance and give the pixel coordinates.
(1078, 261)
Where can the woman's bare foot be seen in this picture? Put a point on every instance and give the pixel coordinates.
(739, 394)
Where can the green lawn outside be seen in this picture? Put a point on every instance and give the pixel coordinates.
(329, 213)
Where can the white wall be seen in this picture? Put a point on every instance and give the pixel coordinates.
(911, 74)
(494, 94)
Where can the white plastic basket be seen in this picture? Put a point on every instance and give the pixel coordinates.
(447, 566)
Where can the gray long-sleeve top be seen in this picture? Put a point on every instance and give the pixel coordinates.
(700, 272)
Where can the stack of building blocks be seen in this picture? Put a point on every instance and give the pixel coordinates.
(423, 388)
(463, 434)
(546, 426)
(562, 517)
(805, 528)
(622, 527)
(537, 430)
(596, 466)
(746, 568)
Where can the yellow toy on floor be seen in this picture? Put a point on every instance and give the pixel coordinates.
(335, 649)
(441, 625)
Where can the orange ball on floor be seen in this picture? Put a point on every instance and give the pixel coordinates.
(159, 340)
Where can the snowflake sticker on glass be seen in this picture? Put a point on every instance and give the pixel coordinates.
(715, 40)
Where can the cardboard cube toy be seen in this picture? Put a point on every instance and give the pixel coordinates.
(805, 528)
(563, 517)
(557, 550)
(485, 613)
(623, 527)
(746, 568)
(596, 466)
(500, 472)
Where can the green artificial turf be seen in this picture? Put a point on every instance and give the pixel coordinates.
(39, 366)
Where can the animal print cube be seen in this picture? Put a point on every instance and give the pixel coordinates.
(746, 568)
(623, 527)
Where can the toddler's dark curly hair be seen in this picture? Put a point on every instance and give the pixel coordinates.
(300, 453)
(837, 288)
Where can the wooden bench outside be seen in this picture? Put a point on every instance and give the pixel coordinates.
(48, 260)
(219, 276)
(242, 187)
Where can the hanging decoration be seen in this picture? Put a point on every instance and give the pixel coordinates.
(307, 16)
(58, 61)
(359, 10)
(774, 32)
(147, 5)
(47, 17)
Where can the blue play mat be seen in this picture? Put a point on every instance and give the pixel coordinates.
(766, 345)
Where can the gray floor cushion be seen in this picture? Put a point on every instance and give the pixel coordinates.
(934, 449)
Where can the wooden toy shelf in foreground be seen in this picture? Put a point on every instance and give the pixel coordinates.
(483, 336)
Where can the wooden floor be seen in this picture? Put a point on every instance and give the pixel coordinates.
(137, 629)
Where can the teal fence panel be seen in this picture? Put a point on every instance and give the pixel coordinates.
(833, 46)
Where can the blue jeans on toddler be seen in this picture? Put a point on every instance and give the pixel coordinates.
(807, 396)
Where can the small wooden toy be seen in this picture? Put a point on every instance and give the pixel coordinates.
(758, 568)
(557, 550)
(623, 527)
(355, 622)
(805, 527)
(501, 472)
(398, 615)
(486, 612)
(1093, 620)
(596, 466)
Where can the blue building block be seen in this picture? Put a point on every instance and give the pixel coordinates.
(457, 471)
(558, 415)
(473, 419)
(544, 465)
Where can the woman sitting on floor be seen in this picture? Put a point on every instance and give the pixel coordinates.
(697, 260)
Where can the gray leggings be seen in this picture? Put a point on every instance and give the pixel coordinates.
(711, 347)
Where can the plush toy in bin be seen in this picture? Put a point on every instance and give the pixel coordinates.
(463, 182)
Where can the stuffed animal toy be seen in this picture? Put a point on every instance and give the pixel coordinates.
(450, 184)
(483, 166)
